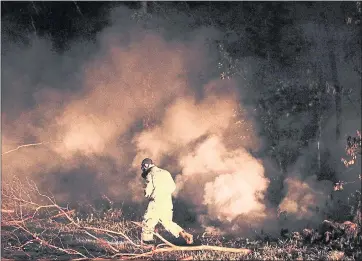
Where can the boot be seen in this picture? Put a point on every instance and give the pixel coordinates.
(188, 237)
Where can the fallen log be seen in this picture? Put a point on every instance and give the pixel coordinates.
(242, 251)
(172, 248)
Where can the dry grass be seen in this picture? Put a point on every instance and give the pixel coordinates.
(18, 244)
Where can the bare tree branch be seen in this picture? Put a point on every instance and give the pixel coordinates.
(78, 9)
(29, 145)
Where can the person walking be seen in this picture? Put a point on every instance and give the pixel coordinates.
(158, 190)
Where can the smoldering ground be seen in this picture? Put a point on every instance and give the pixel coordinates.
(91, 103)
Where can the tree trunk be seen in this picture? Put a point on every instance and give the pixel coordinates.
(333, 64)
(319, 111)
(144, 7)
(338, 91)
(319, 116)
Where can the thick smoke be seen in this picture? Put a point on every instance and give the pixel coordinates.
(89, 104)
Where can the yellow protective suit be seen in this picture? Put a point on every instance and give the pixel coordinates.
(158, 190)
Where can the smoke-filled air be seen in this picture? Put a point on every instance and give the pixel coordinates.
(89, 115)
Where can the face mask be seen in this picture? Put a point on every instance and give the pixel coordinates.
(145, 167)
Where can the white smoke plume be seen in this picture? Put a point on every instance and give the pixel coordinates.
(89, 105)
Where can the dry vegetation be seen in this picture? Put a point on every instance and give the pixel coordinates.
(34, 226)
(31, 230)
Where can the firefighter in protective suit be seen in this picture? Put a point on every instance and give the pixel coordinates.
(158, 190)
